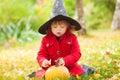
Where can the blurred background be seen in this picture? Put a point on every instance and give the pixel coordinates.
(99, 37)
(20, 20)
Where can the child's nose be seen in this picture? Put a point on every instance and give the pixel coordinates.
(58, 28)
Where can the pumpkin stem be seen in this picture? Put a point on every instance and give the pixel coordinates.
(57, 61)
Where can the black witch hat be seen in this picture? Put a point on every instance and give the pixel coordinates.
(58, 13)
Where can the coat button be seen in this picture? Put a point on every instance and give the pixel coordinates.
(58, 52)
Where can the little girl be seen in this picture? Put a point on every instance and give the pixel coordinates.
(60, 43)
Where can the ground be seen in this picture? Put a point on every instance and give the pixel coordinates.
(100, 49)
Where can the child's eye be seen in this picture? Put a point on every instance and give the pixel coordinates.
(62, 26)
(54, 26)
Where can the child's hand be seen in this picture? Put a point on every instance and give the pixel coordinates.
(61, 62)
(46, 63)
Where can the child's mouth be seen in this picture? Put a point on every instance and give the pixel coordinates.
(58, 33)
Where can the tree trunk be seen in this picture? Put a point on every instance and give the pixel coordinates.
(116, 17)
(80, 17)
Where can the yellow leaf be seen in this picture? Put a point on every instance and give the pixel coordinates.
(96, 75)
(106, 73)
(78, 77)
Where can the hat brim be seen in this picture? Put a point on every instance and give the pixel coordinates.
(46, 25)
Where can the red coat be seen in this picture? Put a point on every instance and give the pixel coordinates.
(66, 47)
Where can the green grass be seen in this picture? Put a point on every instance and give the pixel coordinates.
(100, 49)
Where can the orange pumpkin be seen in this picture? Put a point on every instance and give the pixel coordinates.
(57, 73)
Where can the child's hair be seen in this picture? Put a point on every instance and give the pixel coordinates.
(71, 27)
(60, 22)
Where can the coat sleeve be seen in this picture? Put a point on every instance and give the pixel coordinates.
(42, 53)
(74, 55)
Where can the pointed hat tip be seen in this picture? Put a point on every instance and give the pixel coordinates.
(58, 8)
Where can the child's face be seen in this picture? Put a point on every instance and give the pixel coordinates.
(58, 28)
